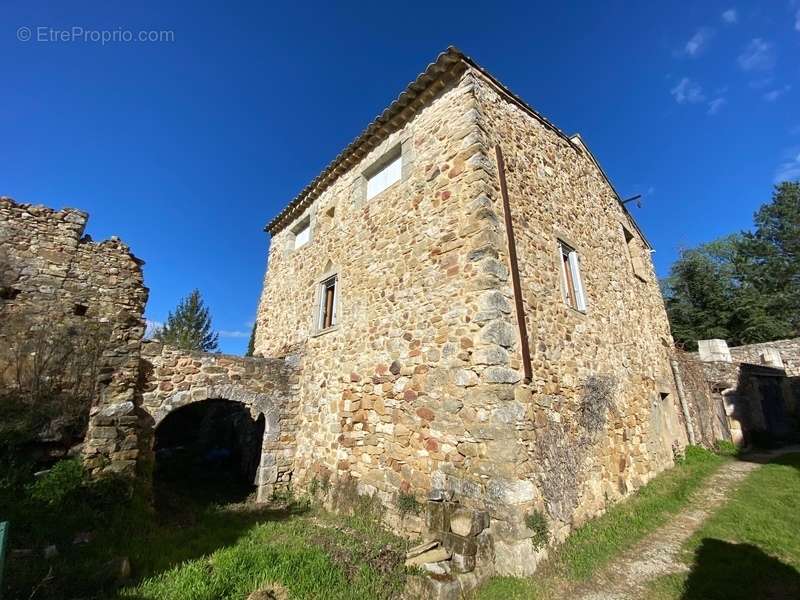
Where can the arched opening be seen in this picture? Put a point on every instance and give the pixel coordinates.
(209, 451)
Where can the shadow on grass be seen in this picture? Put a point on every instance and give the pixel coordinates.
(722, 570)
(187, 524)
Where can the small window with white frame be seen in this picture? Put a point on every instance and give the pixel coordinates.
(328, 301)
(302, 233)
(571, 283)
(389, 170)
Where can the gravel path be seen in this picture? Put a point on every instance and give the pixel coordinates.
(659, 553)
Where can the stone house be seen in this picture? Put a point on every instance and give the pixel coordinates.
(477, 314)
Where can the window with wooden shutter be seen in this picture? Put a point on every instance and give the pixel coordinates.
(327, 303)
(571, 283)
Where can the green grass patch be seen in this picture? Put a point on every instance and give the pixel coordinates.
(191, 547)
(596, 543)
(750, 548)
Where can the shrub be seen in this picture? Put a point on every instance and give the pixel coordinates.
(108, 493)
(725, 448)
(537, 523)
(698, 454)
(58, 483)
(408, 503)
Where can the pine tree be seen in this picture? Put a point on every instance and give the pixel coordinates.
(189, 328)
(251, 345)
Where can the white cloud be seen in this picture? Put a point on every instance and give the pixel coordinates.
(226, 333)
(715, 105)
(758, 55)
(687, 92)
(697, 42)
(789, 169)
(730, 16)
(773, 95)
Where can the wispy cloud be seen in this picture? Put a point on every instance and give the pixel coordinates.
(773, 95)
(758, 84)
(758, 55)
(730, 16)
(790, 168)
(227, 333)
(715, 105)
(695, 45)
(687, 92)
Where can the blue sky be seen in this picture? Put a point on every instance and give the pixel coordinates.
(185, 148)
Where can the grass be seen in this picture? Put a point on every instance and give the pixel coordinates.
(195, 547)
(596, 543)
(750, 548)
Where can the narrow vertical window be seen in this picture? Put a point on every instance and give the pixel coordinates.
(571, 282)
(327, 303)
(633, 255)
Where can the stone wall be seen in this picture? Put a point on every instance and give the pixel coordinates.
(173, 379)
(419, 386)
(740, 393)
(786, 351)
(600, 416)
(382, 393)
(55, 279)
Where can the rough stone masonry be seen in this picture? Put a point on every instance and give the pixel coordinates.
(458, 313)
(516, 358)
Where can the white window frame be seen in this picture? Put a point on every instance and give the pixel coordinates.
(387, 171)
(571, 275)
(302, 233)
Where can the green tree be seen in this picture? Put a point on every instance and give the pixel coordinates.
(251, 344)
(699, 293)
(771, 257)
(189, 328)
(744, 288)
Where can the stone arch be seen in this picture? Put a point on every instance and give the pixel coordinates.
(260, 406)
(172, 379)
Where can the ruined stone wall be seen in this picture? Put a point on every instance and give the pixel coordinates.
(54, 278)
(728, 390)
(172, 379)
(755, 354)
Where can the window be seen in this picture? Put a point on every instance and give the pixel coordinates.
(387, 174)
(302, 233)
(327, 303)
(633, 255)
(80, 310)
(571, 283)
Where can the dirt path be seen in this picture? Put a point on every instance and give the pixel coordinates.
(658, 553)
